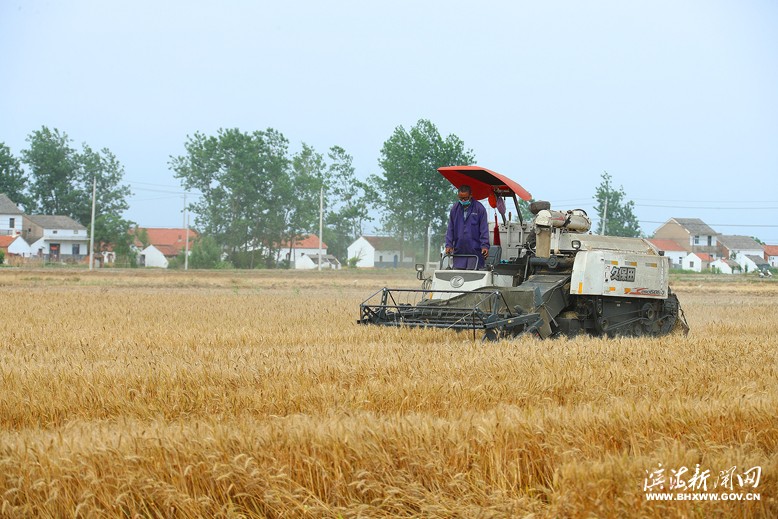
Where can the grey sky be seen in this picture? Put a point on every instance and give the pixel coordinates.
(675, 99)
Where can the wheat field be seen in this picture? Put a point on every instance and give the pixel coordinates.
(255, 394)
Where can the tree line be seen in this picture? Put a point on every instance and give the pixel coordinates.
(257, 197)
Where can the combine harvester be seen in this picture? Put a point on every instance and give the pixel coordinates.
(546, 277)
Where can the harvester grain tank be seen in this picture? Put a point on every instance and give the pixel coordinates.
(547, 276)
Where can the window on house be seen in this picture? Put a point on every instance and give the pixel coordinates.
(380, 259)
(710, 241)
(75, 231)
(11, 222)
(54, 231)
(696, 240)
(691, 264)
(76, 249)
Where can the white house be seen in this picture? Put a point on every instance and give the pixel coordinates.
(305, 246)
(155, 256)
(732, 246)
(771, 255)
(311, 262)
(672, 250)
(726, 266)
(696, 261)
(752, 262)
(10, 217)
(55, 237)
(14, 246)
(164, 244)
(378, 251)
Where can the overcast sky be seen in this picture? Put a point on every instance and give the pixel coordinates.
(677, 100)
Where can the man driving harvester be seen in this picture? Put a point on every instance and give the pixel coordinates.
(468, 231)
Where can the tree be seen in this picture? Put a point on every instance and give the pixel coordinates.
(307, 178)
(114, 231)
(206, 253)
(245, 183)
(55, 174)
(62, 180)
(617, 217)
(13, 181)
(412, 195)
(62, 183)
(349, 203)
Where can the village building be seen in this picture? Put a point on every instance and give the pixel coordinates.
(55, 237)
(378, 251)
(672, 250)
(162, 245)
(697, 261)
(771, 255)
(732, 246)
(726, 266)
(10, 217)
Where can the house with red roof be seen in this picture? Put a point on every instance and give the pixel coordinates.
(671, 249)
(303, 254)
(162, 244)
(15, 246)
(697, 261)
(771, 255)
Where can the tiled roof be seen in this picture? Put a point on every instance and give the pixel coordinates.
(758, 260)
(5, 241)
(55, 222)
(383, 242)
(771, 250)
(169, 241)
(7, 206)
(732, 263)
(666, 245)
(704, 256)
(737, 242)
(306, 242)
(695, 226)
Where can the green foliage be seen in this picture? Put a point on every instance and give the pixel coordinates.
(526, 215)
(62, 177)
(2, 257)
(245, 184)
(348, 203)
(206, 253)
(142, 236)
(411, 193)
(620, 219)
(13, 181)
(114, 231)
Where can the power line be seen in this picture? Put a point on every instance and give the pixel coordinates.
(703, 207)
(719, 224)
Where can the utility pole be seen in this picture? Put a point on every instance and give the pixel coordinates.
(321, 220)
(429, 232)
(605, 210)
(92, 234)
(186, 246)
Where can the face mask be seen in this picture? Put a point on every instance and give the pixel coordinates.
(465, 202)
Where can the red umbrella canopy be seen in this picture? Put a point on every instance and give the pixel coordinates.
(483, 181)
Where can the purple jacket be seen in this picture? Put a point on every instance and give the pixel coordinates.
(468, 237)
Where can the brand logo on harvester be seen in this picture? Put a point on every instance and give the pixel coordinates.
(680, 484)
(457, 281)
(647, 292)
